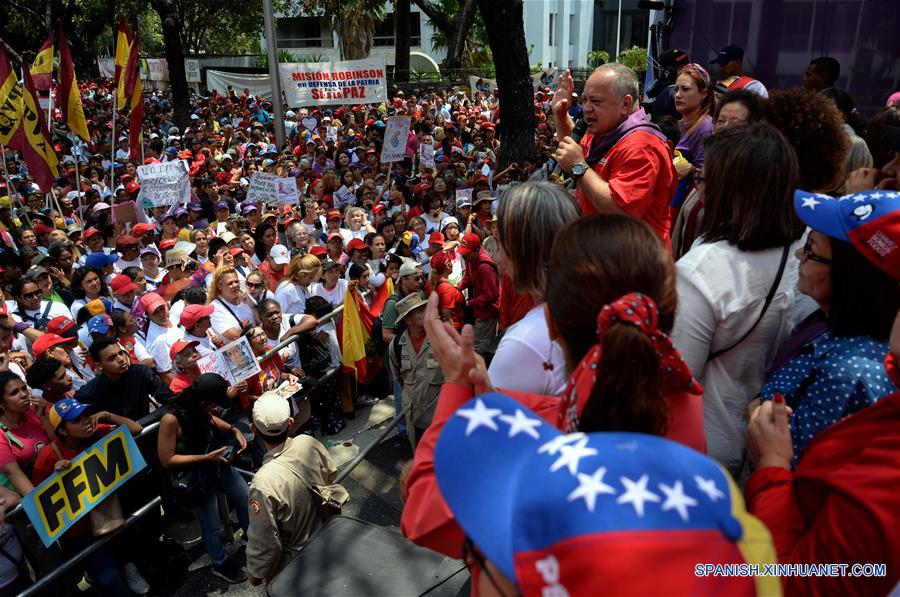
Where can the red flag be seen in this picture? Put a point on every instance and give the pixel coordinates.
(42, 68)
(386, 290)
(132, 86)
(123, 45)
(68, 97)
(33, 139)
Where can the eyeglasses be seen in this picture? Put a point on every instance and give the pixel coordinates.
(808, 255)
(31, 295)
(252, 285)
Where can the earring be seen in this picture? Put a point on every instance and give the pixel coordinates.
(548, 364)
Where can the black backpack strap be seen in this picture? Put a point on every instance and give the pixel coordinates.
(238, 319)
(769, 297)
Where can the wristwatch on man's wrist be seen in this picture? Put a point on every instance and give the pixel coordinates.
(578, 170)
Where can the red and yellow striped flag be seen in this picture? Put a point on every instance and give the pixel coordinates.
(68, 97)
(132, 79)
(42, 68)
(33, 139)
(123, 44)
(10, 99)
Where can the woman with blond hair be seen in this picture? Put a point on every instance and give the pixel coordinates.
(231, 313)
(695, 101)
(293, 290)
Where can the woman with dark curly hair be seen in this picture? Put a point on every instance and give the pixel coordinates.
(814, 127)
(87, 285)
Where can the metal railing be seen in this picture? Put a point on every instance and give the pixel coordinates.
(152, 428)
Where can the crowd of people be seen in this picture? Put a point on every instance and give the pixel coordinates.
(718, 270)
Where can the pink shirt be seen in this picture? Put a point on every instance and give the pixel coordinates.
(30, 434)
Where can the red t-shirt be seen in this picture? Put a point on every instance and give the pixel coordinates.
(451, 299)
(181, 382)
(31, 435)
(641, 177)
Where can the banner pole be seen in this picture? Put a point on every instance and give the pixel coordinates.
(112, 142)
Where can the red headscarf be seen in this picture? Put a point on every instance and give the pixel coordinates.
(640, 311)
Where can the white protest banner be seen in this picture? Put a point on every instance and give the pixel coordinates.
(547, 78)
(395, 134)
(165, 183)
(287, 191)
(339, 82)
(486, 86)
(263, 187)
(426, 155)
(269, 188)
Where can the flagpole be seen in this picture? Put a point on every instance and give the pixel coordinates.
(9, 186)
(112, 157)
(75, 153)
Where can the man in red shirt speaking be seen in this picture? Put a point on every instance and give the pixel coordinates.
(623, 163)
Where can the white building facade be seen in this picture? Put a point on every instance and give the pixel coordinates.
(559, 33)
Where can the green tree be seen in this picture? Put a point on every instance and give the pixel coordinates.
(354, 21)
(458, 29)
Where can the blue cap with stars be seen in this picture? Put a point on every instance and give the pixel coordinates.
(587, 513)
(869, 220)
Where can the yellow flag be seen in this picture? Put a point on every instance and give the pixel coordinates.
(10, 99)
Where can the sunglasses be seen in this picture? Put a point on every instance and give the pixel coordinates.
(255, 285)
(31, 295)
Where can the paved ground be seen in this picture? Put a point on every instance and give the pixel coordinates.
(372, 485)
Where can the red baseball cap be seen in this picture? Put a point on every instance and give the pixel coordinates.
(332, 213)
(60, 325)
(151, 302)
(179, 346)
(142, 229)
(355, 244)
(90, 232)
(379, 208)
(435, 238)
(440, 260)
(125, 240)
(132, 187)
(41, 228)
(46, 342)
(121, 284)
(469, 244)
(194, 313)
(335, 235)
(167, 244)
(318, 251)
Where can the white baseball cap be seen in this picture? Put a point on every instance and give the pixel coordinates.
(280, 254)
(271, 414)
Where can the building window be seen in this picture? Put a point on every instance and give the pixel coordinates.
(552, 29)
(384, 31)
(573, 30)
(303, 32)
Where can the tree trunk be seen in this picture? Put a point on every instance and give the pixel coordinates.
(357, 31)
(458, 40)
(171, 29)
(505, 28)
(401, 40)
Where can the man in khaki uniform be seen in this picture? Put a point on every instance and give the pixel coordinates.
(414, 366)
(291, 494)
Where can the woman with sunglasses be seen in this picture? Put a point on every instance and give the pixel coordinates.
(30, 306)
(832, 365)
(257, 288)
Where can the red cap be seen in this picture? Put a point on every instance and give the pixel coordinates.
(334, 235)
(290, 221)
(167, 244)
(194, 313)
(355, 244)
(125, 240)
(422, 186)
(235, 251)
(179, 346)
(469, 244)
(122, 284)
(318, 251)
(60, 324)
(90, 232)
(46, 342)
(440, 260)
(151, 302)
(41, 228)
(379, 208)
(435, 238)
(142, 229)
(332, 213)
(132, 187)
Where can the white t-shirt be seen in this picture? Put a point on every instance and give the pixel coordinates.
(160, 347)
(518, 364)
(292, 298)
(223, 320)
(721, 292)
(335, 296)
(205, 347)
(55, 310)
(121, 264)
